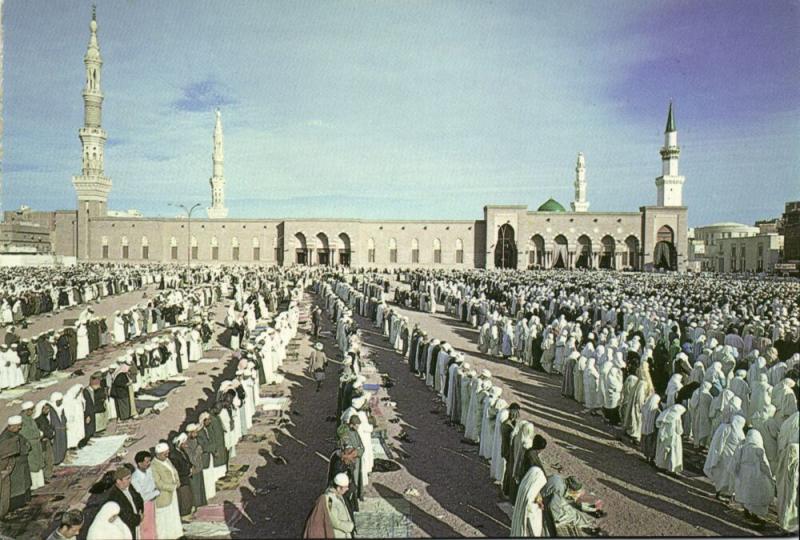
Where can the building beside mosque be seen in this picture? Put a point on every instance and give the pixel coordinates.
(505, 236)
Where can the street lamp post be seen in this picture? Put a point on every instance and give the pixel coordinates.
(189, 230)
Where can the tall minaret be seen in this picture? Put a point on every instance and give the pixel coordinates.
(580, 204)
(217, 210)
(670, 183)
(92, 186)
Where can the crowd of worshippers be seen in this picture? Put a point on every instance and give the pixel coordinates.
(26, 292)
(663, 365)
(25, 360)
(166, 485)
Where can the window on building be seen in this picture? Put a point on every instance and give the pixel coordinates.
(256, 249)
(371, 250)
(214, 248)
(125, 247)
(145, 248)
(437, 251)
(194, 248)
(105, 251)
(415, 251)
(392, 250)
(235, 254)
(174, 250)
(459, 251)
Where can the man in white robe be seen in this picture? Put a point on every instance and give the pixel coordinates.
(755, 486)
(527, 520)
(724, 444)
(669, 450)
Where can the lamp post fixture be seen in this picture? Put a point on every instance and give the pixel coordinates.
(189, 229)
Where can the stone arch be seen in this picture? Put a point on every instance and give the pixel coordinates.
(536, 254)
(584, 254)
(560, 252)
(607, 252)
(344, 249)
(323, 250)
(300, 248)
(437, 251)
(505, 251)
(415, 251)
(665, 256)
(631, 255)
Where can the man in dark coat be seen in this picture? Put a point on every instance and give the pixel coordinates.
(349, 438)
(131, 505)
(15, 475)
(58, 420)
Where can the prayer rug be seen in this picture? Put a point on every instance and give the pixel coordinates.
(232, 478)
(162, 389)
(205, 529)
(207, 361)
(383, 518)
(97, 451)
(275, 404)
(228, 512)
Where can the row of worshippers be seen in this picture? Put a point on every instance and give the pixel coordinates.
(510, 445)
(28, 292)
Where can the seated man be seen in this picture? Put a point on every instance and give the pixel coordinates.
(563, 509)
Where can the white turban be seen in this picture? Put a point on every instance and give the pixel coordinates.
(15, 420)
(359, 402)
(162, 447)
(486, 374)
(27, 405)
(341, 479)
(191, 428)
(180, 439)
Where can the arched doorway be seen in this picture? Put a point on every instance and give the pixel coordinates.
(505, 251)
(323, 250)
(536, 256)
(344, 249)
(300, 248)
(560, 251)
(665, 256)
(607, 252)
(631, 257)
(584, 252)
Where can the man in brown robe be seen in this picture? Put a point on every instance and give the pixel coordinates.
(15, 475)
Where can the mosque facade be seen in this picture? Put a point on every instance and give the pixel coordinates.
(507, 236)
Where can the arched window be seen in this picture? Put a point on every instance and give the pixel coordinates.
(173, 245)
(104, 242)
(459, 251)
(145, 248)
(392, 250)
(415, 251)
(125, 247)
(214, 248)
(437, 251)
(235, 248)
(256, 249)
(371, 250)
(194, 248)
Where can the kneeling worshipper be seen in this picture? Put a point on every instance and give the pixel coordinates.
(142, 481)
(527, 520)
(15, 487)
(107, 524)
(559, 510)
(30, 431)
(168, 517)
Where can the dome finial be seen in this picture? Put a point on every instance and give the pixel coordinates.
(670, 119)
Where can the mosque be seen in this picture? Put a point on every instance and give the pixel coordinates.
(508, 236)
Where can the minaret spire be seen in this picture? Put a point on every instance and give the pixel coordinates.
(580, 204)
(92, 186)
(670, 183)
(217, 210)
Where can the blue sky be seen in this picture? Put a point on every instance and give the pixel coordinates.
(378, 109)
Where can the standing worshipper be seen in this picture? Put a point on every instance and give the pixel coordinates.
(180, 460)
(58, 419)
(165, 476)
(30, 431)
(527, 519)
(786, 475)
(718, 467)
(349, 437)
(41, 416)
(15, 476)
(75, 413)
(754, 484)
(669, 449)
(142, 481)
(650, 411)
(317, 363)
(131, 506)
(97, 393)
(122, 391)
(699, 406)
(340, 515)
(196, 455)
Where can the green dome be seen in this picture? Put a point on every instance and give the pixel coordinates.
(551, 205)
